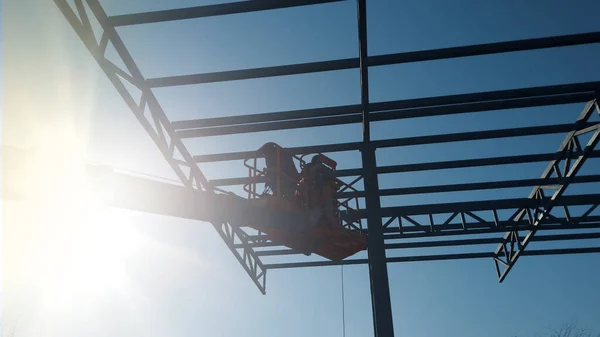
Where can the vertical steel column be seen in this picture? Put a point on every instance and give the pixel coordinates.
(364, 68)
(378, 275)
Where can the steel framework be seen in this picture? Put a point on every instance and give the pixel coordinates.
(547, 208)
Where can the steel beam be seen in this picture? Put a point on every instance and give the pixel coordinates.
(407, 141)
(392, 110)
(517, 103)
(488, 96)
(187, 129)
(207, 11)
(489, 227)
(476, 135)
(364, 79)
(453, 207)
(470, 227)
(488, 185)
(242, 155)
(263, 72)
(513, 244)
(488, 241)
(270, 126)
(486, 49)
(402, 223)
(406, 104)
(452, 243)
(387, 115)
(343, 110)
(478, 162)
(380, 60)
(381, 304)
(440, 165)
(153, 119)
(485, 255)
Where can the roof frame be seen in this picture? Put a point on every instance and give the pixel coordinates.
(167, 134)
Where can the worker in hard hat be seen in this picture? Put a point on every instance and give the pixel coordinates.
(321, 189)
(281, 174)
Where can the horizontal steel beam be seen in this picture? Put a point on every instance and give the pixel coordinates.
(267, 117)
(472, 206)
(407, 141)
(489, 227)
(207, 11)
(496, 105)
(392, 110)
(440, 165)
(388, 115)
(270, 126)
(487, 241)
(416, 107)
(380, 60)
(589, 222)
(475, 135)
(464, 163)
(484, 255)
(471, 186)
(488, 96)
(241, 155)
(486, 49)
(451, 243)
(244, 74)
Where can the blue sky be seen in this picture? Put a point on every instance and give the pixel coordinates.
(215, 297)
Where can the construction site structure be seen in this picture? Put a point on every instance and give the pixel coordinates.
(253, 235)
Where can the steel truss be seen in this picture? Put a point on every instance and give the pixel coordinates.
(388, 228)
(152, 117)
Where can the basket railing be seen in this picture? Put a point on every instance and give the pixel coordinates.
(349, 205)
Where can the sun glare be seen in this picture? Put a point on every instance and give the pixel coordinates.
(66, 252)
(75, 259)
(83, 246)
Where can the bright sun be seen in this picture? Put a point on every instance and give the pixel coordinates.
(74, 259)
(92, 258)
(82, 246)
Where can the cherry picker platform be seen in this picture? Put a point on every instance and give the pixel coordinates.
(309, 194)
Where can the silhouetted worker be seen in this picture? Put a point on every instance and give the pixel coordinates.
(280, 164)
(321, 188)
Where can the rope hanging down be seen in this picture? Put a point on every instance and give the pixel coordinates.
(343, 304)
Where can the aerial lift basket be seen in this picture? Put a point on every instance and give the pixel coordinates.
(279, 186)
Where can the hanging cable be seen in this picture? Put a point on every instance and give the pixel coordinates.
(343, 304)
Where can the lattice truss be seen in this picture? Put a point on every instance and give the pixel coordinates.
(548, 208)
